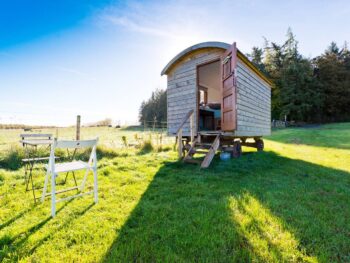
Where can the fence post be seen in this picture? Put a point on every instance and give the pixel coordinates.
(154, 122)
(78, 128)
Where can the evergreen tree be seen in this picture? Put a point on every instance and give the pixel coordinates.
(155, 108)
(296, 92)
(334, 73)
(257, 58)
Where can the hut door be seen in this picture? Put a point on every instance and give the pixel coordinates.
(228, 104)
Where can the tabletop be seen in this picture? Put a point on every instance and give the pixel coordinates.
(36, 142)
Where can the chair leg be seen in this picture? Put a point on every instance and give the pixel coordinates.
(95, 185)
(84, 180)
(45, 186)
(65, 179)
(53, 195)
(29, 175)
(75, 181)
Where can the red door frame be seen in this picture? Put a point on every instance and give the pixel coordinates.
(229, 89)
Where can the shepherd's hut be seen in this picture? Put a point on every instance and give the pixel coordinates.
(217, 100)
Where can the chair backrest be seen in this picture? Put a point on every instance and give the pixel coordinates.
(75, 144)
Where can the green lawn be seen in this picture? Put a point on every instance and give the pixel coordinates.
(290, 203)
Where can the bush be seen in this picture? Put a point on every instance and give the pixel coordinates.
(146, 147)
(164, 148)
(105, 152)
(12, 158)
(125, 141)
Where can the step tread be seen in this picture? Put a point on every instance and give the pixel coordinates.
(199, 151)
(192, 161)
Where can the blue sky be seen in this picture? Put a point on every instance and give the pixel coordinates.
(102, 58)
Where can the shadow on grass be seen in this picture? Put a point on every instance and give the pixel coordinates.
(16, 217)
(23, 236)
(48, 236)
(17, 243)
(261, 207)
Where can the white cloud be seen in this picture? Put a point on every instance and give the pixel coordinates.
(76, 72)
(134, 26)
(179, 23)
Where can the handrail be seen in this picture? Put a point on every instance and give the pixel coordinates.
(179, 131)
(187, 116)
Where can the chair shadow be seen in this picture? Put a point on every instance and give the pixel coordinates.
(188, 214)
(47, 237)
(22, 237)
(16, 217)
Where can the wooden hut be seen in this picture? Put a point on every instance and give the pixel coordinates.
(217, 100)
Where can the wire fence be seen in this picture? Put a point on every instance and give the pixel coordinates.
(278, 124)
(112, 136)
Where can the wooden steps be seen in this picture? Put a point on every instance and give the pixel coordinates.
(203, 148)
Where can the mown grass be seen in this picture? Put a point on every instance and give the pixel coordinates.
(287, 204)
(330, 135)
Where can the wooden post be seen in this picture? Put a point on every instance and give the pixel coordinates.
(179, 138)
(78, 128)
(192, 127)
(154, 123)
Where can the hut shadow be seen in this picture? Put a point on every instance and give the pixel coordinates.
(225, 213)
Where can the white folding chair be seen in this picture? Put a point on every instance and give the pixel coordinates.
(53, 169)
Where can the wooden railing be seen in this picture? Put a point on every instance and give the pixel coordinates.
(189, 115)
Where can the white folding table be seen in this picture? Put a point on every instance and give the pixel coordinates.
(31, 158)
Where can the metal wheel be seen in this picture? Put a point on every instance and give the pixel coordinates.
(237, 149)
(259, 145)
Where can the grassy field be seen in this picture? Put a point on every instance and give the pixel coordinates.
(110, 137)
(290, 203)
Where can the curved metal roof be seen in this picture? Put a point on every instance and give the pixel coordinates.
(212, 44)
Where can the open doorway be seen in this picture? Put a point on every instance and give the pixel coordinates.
(209, 96)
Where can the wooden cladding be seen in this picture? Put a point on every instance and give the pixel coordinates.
(228, 111)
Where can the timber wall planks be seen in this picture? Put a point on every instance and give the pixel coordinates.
(253, 103)
(182, 87)
(253, 95)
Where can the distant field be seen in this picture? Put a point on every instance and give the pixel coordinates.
(289, 203)
(108, 136)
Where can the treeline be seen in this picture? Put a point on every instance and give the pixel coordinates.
(101, 123)
(154, 110)
(306, 89)
(23, 126)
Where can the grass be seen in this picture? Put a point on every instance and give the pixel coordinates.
(287, 204)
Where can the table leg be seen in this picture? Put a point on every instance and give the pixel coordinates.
(33, 189)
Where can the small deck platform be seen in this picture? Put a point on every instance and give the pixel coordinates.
(209, 142)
